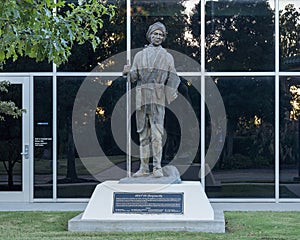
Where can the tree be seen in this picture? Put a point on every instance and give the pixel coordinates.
(45, 30)
(8, 107)
(33, 28)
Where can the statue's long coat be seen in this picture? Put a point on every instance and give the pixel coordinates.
(157, 81)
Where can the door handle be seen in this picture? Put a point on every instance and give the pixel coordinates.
(26, 151)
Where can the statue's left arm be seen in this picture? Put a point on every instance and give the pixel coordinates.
(173, 81)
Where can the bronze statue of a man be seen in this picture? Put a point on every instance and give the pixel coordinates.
(157, 82)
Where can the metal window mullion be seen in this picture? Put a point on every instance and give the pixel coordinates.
(202, 120)
(31, 136)
(277, 96)
(54, 132)
(54, 125)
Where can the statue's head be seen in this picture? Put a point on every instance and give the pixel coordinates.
(156, 26)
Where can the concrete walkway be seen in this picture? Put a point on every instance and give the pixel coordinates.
(217, 206)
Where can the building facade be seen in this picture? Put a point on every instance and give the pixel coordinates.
(249, 50)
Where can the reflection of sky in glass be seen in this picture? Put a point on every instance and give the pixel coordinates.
(189, 4)
(283, 3)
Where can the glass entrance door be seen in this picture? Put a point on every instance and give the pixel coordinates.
(14, 143)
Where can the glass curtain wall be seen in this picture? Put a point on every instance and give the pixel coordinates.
(289, 98)
(246, 166)
(80, 170)
(239, 37)
(239, 54)
(43, 138)
(11, 144)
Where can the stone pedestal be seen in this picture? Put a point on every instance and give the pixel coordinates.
(196, 213)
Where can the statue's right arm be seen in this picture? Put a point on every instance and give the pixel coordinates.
(132, 70)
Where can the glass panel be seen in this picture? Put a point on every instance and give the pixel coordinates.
(43, 160)
(84, 59)
(26, 64)
(85, 107)
(289, 35)
(182, 21)
(289, 137)
(245, 168)
(11, 144)
(182, 149)
(239, 35)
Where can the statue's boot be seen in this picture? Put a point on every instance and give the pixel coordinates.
(157, 154)
(144, 166)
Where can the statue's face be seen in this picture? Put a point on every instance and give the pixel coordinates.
(157, 37)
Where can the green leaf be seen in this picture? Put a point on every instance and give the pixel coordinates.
(2, 56)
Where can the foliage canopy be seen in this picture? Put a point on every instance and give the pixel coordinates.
(37, 29)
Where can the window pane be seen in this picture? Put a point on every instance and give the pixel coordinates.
(289, 137)
(26, 64)
(113, 38)
(289, 35)
(245, 168)
(43, 160)
(11, 144)
(239, 36)
(85, 107)
(182, 130)
(182, 21)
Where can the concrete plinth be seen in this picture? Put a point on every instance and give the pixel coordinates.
(197, 214)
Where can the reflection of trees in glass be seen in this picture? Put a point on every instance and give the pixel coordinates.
(115, 90)
(288, 123)
(289, 101)
(11, 140)
(289, 32)
(67, 90)
(249, 104)
(170, 13)
(295, 102)
(239, 35)
(67, 93)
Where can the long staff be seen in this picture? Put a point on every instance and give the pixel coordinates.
(128, 124)
(128, 89)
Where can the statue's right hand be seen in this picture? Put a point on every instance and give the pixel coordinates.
(126, 70)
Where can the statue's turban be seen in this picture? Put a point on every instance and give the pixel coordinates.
(154, 27)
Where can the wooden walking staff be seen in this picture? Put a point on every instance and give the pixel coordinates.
(128, 89)
(128, 122)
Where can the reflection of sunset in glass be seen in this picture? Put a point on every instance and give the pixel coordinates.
(295, 102)
(100, 111)
(257, 121)
(247, 123)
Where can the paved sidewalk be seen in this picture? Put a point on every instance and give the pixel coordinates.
(217, 206)
(257, 206)
(14, 206)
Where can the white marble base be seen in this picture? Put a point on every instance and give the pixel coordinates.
(198, 214)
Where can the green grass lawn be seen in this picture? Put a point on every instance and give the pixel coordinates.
(239, 225)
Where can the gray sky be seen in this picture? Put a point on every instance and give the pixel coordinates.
(283, 3)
